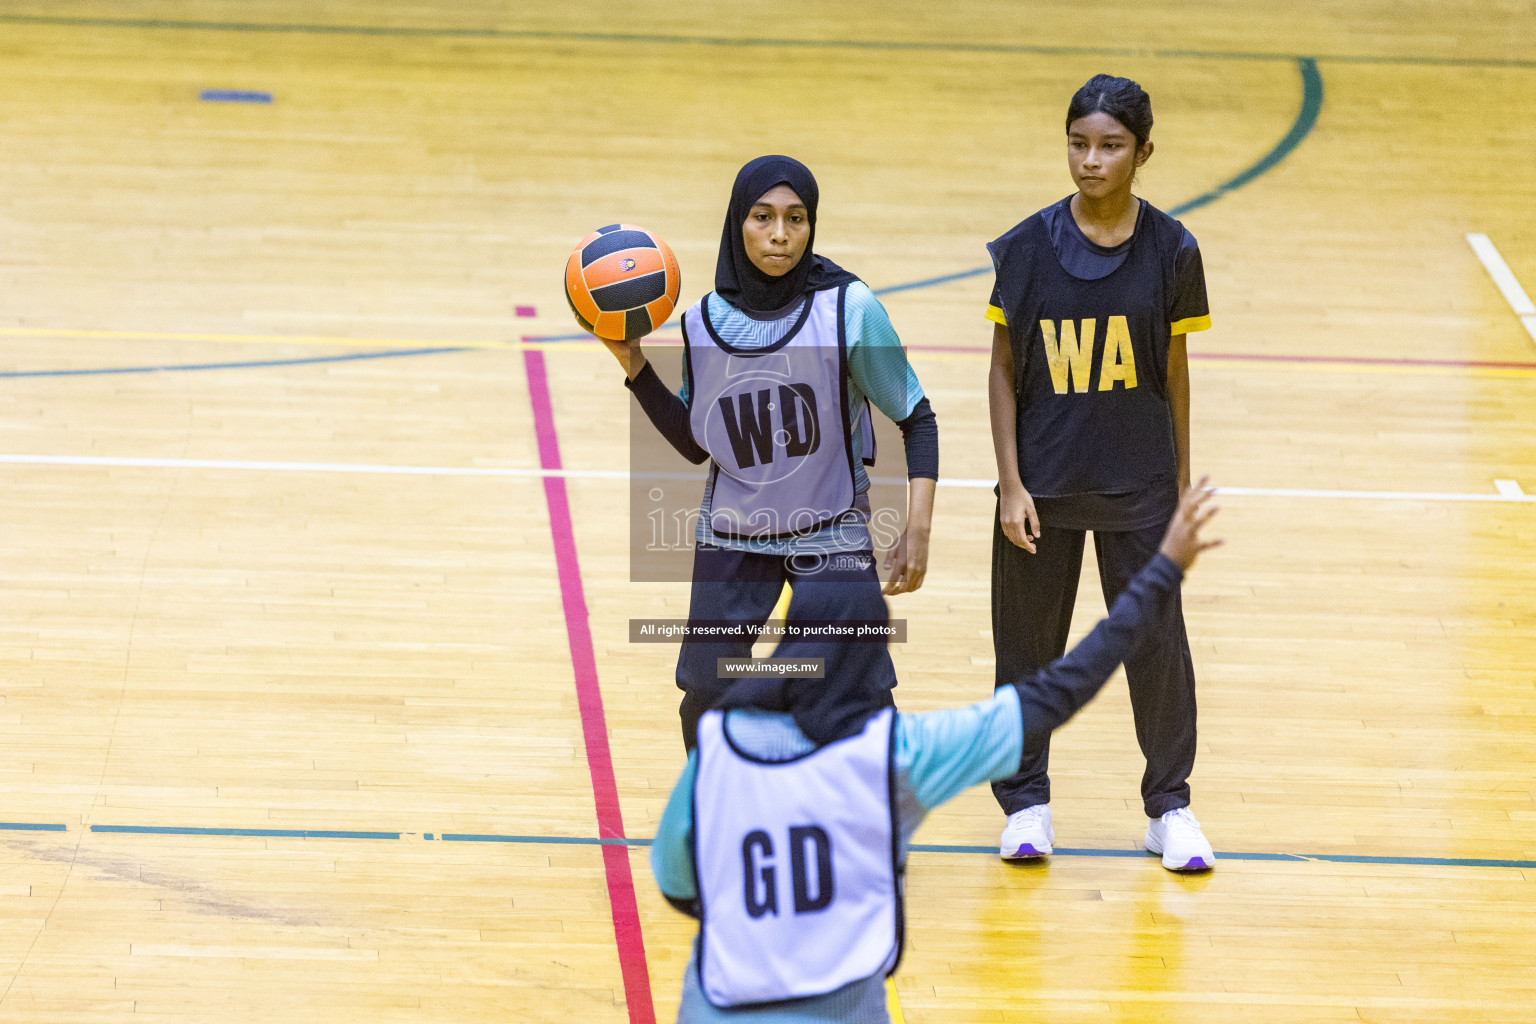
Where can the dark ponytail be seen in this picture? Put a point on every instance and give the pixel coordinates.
(1120, 98)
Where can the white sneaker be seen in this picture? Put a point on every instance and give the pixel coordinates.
(1177, 836)
(1027, 834)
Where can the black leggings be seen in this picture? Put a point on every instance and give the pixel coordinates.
(741, 586)
(1032, 601)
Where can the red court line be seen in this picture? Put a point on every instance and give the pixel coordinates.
(1245, 357)
(589, 698)
(1260, 357)
(1284, 357)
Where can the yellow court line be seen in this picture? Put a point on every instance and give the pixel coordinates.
(1341, 366)
(306, 339)
(892, 1003)
(261, 339)
(1345, 367)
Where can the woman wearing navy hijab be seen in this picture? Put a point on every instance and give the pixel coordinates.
(782, 362)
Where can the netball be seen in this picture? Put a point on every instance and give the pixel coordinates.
(622, 282)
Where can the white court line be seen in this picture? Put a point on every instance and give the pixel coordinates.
(1505, 278)
(1509, 488)
(1308, 492)
(1503, 493)
(311, 467)
(1305, 492)
(254, 952)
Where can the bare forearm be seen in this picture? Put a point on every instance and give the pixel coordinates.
(1002, 403)
(1178, 403)
(909, 557)
(920, 491)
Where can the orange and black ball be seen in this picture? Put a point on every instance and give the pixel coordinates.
(622, 282)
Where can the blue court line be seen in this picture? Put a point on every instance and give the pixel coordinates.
(31, 826)
(929, 282)
(1327, 858)
(631, 38)
(463, 837)
(991, 851)
(1062, 851)
(349, 357)
(234, 96)
(279, 833)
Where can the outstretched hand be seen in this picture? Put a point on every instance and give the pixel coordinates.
(1183, 543)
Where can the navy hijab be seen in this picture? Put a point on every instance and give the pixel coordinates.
(859, 674)
(740, 283)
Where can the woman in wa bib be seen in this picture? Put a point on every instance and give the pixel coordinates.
(1089, 394)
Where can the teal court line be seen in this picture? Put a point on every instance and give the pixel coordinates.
(991, 851)
(670, 39)
(277, 833)
(1063, 851)
(1306, 119)
(1301, 127)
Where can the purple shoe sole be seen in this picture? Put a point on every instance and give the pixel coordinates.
(1195, 864)
(1026, 851)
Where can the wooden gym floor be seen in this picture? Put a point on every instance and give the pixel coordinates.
(288, 732)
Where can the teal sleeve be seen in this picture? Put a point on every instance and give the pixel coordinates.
(945, 752)
(671, 853)
(683, 392)
(876, 361)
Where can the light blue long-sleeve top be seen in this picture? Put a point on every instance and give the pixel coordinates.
(937, 755)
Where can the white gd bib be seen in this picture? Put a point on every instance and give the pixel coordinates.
(796, 865)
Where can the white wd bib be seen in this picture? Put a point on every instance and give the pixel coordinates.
(775, 422)
(796, 865)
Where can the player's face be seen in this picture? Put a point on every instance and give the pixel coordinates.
(1103, 155)
(776, 230)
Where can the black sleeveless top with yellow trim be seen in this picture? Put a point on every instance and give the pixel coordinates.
(1090, 356)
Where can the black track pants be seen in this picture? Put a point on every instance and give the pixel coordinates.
(1032, 601)
(740, 586)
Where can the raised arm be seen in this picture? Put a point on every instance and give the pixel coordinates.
(667, 412)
